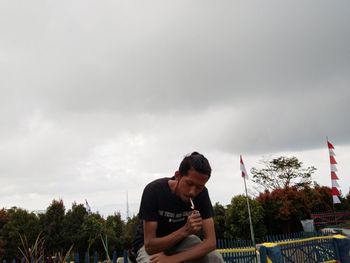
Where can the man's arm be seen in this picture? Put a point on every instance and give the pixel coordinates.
(154, 244)
(195, 252)
(201, 249)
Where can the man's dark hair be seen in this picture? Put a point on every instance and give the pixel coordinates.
(197, 162)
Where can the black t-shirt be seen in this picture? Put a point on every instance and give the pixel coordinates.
(160, 204)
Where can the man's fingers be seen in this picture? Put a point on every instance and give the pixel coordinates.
(196, 225)
(154, 256)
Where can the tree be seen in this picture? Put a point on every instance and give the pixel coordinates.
(219, 220)
(92, 229)
(284, 208)
(52, 225)
(282, 172)
(72, 228)
(18, 222)
(113, 231)
(237, 219)
(130, 231)
(319, 198)
(3, 220)
(347, 202)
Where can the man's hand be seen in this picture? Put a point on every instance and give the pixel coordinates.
(162, 258)
(194, 223)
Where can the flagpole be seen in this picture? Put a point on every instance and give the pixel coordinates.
(335, 220)
(245, 176)
(333, 178)
(249, 214)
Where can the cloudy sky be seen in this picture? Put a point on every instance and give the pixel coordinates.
(100, 97)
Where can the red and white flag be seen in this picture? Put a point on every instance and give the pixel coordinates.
(243, 170)
(87, 206)
(334, 177)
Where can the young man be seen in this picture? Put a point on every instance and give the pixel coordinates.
(169, 221)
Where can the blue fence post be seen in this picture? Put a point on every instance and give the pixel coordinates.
(68, 259)
(87, 258)
(263, 254)
(95, 257)
(125, 255)
(76, 258)
(114, 260)
(270, 252)
(343, 247)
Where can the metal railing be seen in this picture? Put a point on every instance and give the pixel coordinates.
(291, 248)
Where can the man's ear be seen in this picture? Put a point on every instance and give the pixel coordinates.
(177, 175)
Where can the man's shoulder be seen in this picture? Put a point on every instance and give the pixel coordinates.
(160, 182)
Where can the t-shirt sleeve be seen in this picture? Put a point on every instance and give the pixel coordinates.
(149, 204)
(204, 204)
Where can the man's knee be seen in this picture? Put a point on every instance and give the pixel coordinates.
(142, 256)
(191, 241)
(211, 257)
(184, 245)
(214, 257)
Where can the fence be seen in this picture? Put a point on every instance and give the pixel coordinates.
(299, 247)
(75, 257)
(312, 250)
(305, 247)
(298, 235)
(240, 251)
(330, 218)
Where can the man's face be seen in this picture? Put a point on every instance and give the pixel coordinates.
(190, 185)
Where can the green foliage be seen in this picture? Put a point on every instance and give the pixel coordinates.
(61, 230)
(61, 257)
(92, 230)
(32, 253)
(130, 230)
(18, 221)
(237, 219)
(3, 217)
(52, 224)
(282, 172)
(284, 208)
(318, 199)
(347, 202)
(114, 230)
(3, 221)
(35, 253)
(72, 228)
(219, 220)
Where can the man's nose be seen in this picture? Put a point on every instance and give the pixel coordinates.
(192, 192)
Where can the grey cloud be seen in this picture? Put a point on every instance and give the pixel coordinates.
(119, 90)
(128, 61)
